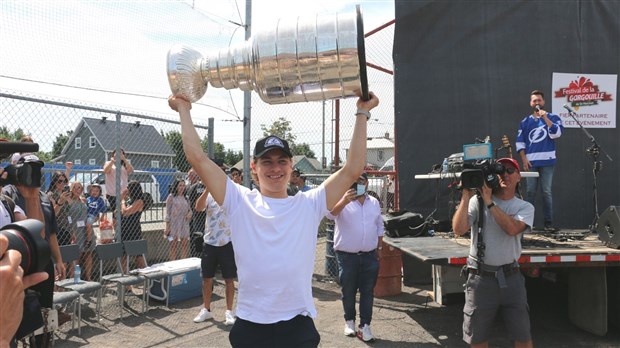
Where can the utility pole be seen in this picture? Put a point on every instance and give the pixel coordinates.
(323, 159)
(247, 104)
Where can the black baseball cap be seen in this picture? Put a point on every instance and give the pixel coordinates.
(269, 143)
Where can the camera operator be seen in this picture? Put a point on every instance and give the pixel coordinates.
(37, 206)
(494, 282)
(12, 281)
(12, 290)
(9, 211)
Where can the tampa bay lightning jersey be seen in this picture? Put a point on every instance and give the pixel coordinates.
(538, 140)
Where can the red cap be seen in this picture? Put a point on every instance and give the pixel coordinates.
(511, 161)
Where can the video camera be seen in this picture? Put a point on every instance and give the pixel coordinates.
(26, 172)
(476, 173)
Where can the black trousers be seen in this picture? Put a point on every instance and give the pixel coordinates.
(296, 332)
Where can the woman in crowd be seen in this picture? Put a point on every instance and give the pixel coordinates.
(78, 212)
(109, 169)
(178, 215)
(132, 204)
(58, 193)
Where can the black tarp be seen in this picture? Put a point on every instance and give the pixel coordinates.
(464, 70)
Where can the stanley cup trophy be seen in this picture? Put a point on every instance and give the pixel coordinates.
(304, 59)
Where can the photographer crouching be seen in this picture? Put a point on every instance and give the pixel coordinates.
(36, 237)
(494, 283)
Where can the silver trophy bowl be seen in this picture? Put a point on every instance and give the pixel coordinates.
(303, 59)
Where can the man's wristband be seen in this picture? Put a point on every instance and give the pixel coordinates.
(363, 112)
(491, 205)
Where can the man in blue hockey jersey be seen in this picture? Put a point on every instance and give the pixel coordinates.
(536, 146)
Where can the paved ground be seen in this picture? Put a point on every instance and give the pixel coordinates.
(406, 320)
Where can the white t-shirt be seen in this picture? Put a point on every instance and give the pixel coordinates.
(275, 242)
(5, 217)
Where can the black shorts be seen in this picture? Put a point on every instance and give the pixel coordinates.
(296, 332)
(223, 255)
(63, 236)
(111, 203)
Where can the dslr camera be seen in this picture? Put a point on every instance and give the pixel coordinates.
(475, 174)
(24, 236)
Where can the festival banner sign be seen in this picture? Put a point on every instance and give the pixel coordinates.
(592, 96)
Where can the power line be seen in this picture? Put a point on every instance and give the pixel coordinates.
(113, 92)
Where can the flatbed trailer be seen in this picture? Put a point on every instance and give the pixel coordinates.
(592, 270)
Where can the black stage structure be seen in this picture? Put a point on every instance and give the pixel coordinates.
(464, 70)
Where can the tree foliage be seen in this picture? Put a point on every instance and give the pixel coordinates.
(282, 128)
(17, 135)
(231, 157)
(303, 149)
(218, 148)
(6, 133)
(59, 143)
(174, 140)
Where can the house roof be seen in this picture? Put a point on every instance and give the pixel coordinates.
(312, 161)
(136, 138)
(380, 143)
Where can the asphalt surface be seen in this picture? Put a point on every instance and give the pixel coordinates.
(410, 319)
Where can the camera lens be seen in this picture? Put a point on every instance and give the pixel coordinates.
(24, 236)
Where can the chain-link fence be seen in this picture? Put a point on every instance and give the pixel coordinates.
(73, 176)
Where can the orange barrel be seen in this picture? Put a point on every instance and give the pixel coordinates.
(389, 281)
(331, 264)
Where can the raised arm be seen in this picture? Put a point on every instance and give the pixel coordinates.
(460, 220)
(68, 166)
(349, 196)
(107, 166)
(201, 202)
(338, 183)
(210, 174)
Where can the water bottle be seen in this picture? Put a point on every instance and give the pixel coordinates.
(77, 274)
(444, 165)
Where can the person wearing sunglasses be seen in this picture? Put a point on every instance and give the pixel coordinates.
(58, 193)
(497, 218)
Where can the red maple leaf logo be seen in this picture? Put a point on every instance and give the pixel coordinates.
(581, 82)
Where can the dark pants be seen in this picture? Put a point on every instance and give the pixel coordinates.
(358, 272)
(297, 332)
